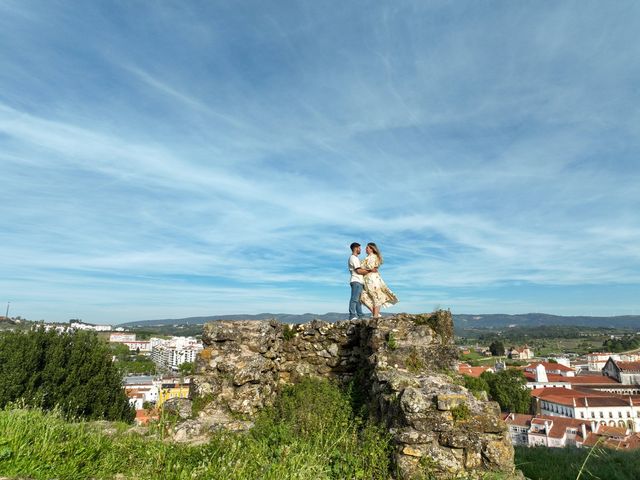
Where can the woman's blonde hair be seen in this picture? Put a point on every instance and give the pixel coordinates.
(376, 250)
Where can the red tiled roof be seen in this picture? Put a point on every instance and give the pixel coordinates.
(549, 366)
(591, 439)
(557, 425)
(539, 421)
(609, 431)
(628, 366)
(582, 398)
(520, 419)
(630, 442)
(472, 371)
(566, 392)
(601, 402)
(590, 379)
(577, 380)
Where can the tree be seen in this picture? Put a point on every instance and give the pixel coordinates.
(72, 371)
(497, 348)
(508, 388)
(120, 350)
(187, 368)
(476, 384)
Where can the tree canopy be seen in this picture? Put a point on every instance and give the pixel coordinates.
(497, 348)
(71, 371)
(508, 389)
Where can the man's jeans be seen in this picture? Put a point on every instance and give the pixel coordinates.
(355, 307)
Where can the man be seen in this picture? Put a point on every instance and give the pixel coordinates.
(356, 281)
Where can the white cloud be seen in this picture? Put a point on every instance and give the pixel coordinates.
(490, 155)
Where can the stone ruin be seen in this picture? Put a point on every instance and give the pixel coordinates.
(405, 363)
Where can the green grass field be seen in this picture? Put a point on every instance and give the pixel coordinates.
(543, 463)
(311, 433)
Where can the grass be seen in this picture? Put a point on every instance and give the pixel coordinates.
(414, 362)
(310, 433)
(541, 463)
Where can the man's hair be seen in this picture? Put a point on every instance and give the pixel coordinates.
(354, 245)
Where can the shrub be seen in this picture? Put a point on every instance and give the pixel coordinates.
(288, 333)
(414, 362)
(460, 412)
(392, 343)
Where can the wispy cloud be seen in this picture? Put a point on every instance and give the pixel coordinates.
(214, 159)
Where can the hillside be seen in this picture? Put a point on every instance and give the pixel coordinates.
(281, 317)
(462, 321)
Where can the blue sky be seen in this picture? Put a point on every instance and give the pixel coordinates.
(169, 159)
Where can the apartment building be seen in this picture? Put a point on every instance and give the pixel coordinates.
(170, 354)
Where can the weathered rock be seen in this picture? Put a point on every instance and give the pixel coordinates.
(180, 407)
(413, 401)
(402, 361)
(190, 431)
(447, 401)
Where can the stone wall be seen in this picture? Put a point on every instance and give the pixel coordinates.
(404, 362)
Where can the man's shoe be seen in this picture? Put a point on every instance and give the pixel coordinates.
(353, 318)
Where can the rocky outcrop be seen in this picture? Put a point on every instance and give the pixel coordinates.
(404, 363)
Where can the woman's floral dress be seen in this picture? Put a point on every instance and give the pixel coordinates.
(375, 293)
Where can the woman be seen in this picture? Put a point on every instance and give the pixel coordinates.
(376, 294)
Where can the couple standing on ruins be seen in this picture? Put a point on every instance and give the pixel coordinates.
(367, 285)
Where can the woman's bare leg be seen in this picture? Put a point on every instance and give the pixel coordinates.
(376, 311)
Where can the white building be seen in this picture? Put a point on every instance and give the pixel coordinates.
(122, 337)
(551, 368)
(58, 327)
(597, 361)
(627, 373)
(170, 354)
(548, 431)
(524, 353)
(78, 325)
(142, 346)
(565, 361)
(141, 389)
(597, 407)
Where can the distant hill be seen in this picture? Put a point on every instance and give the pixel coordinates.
(500, 320)
(281, 317)
(462, 321)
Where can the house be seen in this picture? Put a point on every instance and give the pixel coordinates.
(172, 390)
(550, 367)
(627, 373)
(524, 353)
(534, 430)
(122, 337)
(136, 399)
(565, 377)
(597, 360)
(141, 389)
(545, 430)
(143, 417)
(600, 408)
